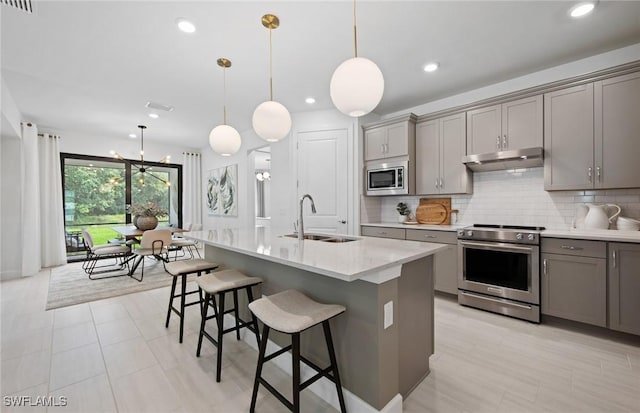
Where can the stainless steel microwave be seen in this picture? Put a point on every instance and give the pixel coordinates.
(391, 178)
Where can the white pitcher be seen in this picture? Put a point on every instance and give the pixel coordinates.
(601, 216)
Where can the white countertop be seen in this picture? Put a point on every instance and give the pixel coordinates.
(593, 234)
(348, 261)
(449, 228)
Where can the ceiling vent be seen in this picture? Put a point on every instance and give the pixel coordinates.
(24, 5)
(155, 105)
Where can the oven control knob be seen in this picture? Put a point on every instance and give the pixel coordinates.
(531, 237)
(518, 236)
(469, 233)
(460, 232)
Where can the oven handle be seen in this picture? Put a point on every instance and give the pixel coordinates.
(495, 246)
(527, 307)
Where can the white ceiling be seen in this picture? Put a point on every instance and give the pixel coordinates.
(90, 66)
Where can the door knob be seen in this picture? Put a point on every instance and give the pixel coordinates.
(342, 221)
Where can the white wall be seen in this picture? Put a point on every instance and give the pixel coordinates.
(10, 187)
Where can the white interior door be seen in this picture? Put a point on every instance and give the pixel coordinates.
(322, 173)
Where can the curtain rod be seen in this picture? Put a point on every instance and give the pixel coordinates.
(51, 136)
(190, 153)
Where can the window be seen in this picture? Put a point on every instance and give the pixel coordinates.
(97, 190)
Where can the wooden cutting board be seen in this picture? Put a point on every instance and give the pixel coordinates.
(434, 211)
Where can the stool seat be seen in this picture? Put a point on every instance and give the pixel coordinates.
(176, 268)
(291, 311)
(225, 280)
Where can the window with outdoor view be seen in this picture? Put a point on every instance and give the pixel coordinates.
(97, 192)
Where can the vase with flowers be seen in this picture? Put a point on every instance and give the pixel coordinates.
(145, 216)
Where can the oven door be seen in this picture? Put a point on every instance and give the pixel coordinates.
(500, 269)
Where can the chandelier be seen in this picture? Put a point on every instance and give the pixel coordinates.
(141, 168)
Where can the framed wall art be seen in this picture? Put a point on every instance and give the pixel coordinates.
(222, 191)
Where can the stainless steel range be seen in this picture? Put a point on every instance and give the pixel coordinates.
(499, 269)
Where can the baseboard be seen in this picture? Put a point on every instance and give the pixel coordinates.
(323, 388)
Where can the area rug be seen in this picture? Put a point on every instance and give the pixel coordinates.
(70, 285)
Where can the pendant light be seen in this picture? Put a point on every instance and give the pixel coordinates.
(140, 167)
(224, 139)
(357, 84)
(271, 120)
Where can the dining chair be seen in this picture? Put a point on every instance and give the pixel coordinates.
(154, 243)
(120, 253)
(179, 243)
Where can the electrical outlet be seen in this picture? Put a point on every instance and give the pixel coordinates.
(388, 314)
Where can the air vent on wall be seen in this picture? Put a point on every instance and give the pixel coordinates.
(24, 5)
(159, 106)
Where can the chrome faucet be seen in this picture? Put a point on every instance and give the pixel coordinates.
(301, 222)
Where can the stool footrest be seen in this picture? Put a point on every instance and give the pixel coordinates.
(277, 353)
(276, 393)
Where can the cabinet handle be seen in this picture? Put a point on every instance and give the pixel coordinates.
(498, 143)
(544, 266)
(441, 183)
(504, 142)
(614, 258)
(430, 236)
(437, 183)
(381, 233)
(571, 247)
(598, 173)
(589, 170)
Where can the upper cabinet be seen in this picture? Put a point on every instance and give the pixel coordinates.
(508, 126)
(591, 135)
(389, 139)
(440, 146)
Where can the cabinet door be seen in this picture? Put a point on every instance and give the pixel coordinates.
(446, 270)
(568, 138)
(624, 287)
(522, 124)
(454, 175)
(617, 124)
(428, 157)
(484, 130)
(375, 143)
(397, 140)
(575, 288)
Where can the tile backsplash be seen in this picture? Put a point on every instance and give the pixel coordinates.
(511, 197)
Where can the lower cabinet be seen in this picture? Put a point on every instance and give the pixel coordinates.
(574, 280)
(624, 287)
(445, 262)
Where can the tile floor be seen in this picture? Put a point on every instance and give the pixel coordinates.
(115, 355)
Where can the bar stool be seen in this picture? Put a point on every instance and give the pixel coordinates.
(221, 283)
(182, 269)
(292, 312)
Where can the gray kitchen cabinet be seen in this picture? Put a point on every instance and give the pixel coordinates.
(383, 232)
(574, 280)
(445, 262)
(505, 127)
(617, 124)
(590, 135)
(624, 287)
(440, 146)
(389, 139)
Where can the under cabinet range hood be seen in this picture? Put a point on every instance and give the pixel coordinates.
(495, 161)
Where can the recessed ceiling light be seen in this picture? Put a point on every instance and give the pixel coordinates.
(310, 100)
(154, 115)
(185, 25)
(132, 135)
(581, 9)
(431, 67)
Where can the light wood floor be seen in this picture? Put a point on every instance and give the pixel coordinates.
(116, 355)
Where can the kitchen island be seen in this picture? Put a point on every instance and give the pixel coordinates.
(384, 339)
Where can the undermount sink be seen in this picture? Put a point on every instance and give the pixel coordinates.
(323, 238)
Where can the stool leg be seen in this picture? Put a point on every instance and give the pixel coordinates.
(182, 300)
(334, 363)
(220, 320)
(256, 381)
(173, 292)
(254, 319)
(204, 311)
(295, 358)
(235, 312)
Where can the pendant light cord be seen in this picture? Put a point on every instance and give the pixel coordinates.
(224, 94)
(142, 147)
(270, 64)
(355, 30)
